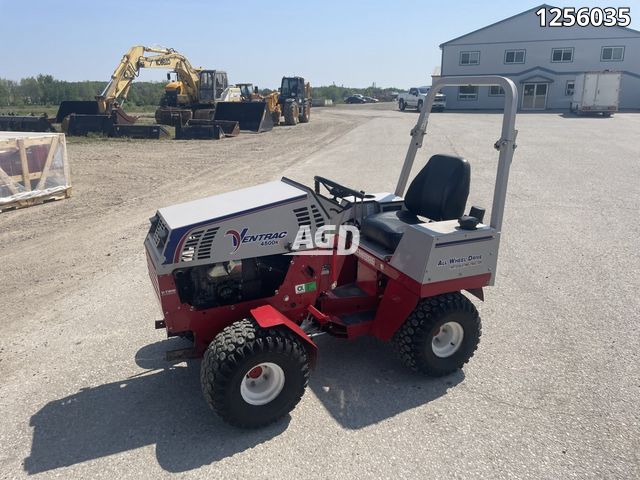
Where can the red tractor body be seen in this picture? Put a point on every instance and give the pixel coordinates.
(252, 276)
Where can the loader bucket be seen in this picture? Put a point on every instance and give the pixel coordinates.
(68, 107)
(81, 125)
(230, 128)
(173, 116)
(252, 116)
(140, 131)
(207, 130)
(25, 123)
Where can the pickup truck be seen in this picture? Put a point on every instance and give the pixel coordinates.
(416, 98)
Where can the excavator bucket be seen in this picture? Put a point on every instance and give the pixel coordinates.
(123, 118)
(80, 118)
(252, 116)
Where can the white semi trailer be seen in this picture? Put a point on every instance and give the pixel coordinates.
(596, 92)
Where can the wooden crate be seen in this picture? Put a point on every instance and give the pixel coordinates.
(34, 169)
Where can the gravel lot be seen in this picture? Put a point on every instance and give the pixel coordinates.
(553, 391)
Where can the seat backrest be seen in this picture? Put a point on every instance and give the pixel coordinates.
(440, 190)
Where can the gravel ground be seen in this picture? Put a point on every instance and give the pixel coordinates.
(553, 391)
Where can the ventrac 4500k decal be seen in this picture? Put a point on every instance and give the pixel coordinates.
(263, 239)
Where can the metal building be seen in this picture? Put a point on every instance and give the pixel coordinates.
(542, 61)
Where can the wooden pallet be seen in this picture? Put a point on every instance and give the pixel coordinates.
(26, 165)
(28, 202)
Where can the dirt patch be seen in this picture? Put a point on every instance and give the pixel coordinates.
(49, 250)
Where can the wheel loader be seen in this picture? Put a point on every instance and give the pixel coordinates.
(252, 276)
(294, 101)
(252, 110)
(251, 93)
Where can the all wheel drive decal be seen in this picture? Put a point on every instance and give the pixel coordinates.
(460, 262)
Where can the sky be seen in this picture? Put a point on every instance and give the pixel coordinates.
(350, 43)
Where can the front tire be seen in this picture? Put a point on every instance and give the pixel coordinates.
(440, 335)
(275, 117)
(401, 105)
(306, 115)
(252, 376)
(291, 113)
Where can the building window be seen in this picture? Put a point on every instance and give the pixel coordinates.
(514, 56)
(612, 54)
(468, 93)
(569, 89)
(469, 58)
(496, 91)
(562, 55)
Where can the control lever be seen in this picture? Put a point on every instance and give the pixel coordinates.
(471, 221)
(477, 212)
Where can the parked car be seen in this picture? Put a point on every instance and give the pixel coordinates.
(416, 98)
(355, 99)
(370, 99)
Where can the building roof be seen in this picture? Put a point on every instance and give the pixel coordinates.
(545, 5)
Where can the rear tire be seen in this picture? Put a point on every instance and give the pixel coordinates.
(401, 105)
(252, 376)
(440, 335)
(419, 106)
(291, 113)
(306, 115)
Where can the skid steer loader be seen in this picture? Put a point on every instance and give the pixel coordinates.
(252, 276)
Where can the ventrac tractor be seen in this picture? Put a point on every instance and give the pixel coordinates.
(235, 275)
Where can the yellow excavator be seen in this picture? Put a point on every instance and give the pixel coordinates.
(193, 94)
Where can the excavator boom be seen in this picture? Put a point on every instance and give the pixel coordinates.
(199, 96)
(126, 72)
(135, 59)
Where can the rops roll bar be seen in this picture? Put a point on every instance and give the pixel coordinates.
(505, 145)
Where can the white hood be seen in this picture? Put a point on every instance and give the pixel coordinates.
(231, 203)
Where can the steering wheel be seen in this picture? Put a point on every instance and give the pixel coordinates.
(335, 189)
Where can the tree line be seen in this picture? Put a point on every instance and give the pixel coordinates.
(44, 90)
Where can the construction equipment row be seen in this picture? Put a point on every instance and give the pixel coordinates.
(199, 103)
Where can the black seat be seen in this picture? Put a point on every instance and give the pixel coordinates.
(439, 192)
